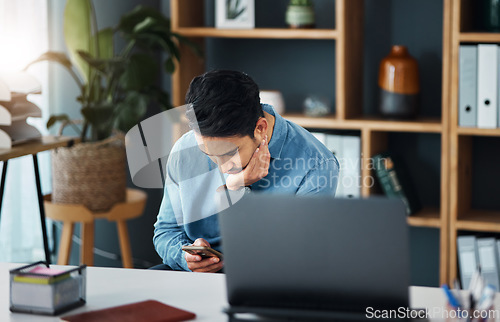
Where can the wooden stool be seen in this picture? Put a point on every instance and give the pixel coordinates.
(69, 214)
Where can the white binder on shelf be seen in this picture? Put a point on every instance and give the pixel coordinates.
(498, 256)
(334, 144)
(320, 136)
(488, 259)
(467, 86)
(351, 154)
(467, 258)
(487, 83)
(347, 149)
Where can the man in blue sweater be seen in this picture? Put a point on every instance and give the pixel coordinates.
(236, 145)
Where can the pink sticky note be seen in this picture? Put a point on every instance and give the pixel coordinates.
(45, 271)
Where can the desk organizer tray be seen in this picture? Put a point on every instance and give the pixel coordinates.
(39, 289)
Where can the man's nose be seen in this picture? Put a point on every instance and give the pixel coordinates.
(226, 166)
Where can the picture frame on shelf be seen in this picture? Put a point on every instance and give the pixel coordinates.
(235, 14)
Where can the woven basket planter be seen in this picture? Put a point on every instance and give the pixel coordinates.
(92, 174)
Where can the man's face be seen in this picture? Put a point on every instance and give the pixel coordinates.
(231, 154)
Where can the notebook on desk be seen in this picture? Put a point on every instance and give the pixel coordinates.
(145, 311)
(315, 257)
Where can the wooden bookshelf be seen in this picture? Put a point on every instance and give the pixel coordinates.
(330, 122)
(476, 37)
(427, 217)
(479, 220)
(462, 216)
(371, 123)
(188, 20)
(477, 132)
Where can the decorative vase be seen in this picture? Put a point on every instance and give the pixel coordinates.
(91, 174)
(489, 17)
(399, 84)
(300, 14)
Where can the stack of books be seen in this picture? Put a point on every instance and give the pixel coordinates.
(37, 288)
(478, 100)
(395, 181)
(15, 108)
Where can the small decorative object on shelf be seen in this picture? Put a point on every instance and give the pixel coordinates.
(489, 15)
(300, 14)
(37, 288)
(399, 84)
(273, 98)
(316, 107)
(236, 14)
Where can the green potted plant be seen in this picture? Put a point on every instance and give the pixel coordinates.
(116, 87)
(300, 14)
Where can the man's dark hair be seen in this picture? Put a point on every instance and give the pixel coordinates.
(226, 103)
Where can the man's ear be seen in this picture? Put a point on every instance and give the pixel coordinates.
(261, 128)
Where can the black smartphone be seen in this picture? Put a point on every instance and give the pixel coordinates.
(203, 251)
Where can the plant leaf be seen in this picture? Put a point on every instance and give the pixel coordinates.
(77, 32)
(160, 96)
(131, 110)
(97, 113)
(169, 65)
(104, 65)
(191, 44)
(141, 71)
(56, 118)
(53, 56)
(145, 25)
(105, 40)
(129, 22)
(100, 117)
(60, 58)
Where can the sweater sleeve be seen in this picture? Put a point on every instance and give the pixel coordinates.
(169, 233)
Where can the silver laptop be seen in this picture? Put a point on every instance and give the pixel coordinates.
(314, 258)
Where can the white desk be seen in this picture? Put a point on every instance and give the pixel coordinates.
(201, 293)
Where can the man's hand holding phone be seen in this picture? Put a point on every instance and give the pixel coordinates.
(197, 263)
(257, 168)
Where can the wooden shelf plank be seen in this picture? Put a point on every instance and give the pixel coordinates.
(371, 123)
(419, 125)
(427, 217)
(262, 33)
(480, 220)
(38, 145)
(481, 37)
(478, 131)
(329, 122)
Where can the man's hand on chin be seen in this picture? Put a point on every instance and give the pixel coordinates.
(203, 265)
(257, 168)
